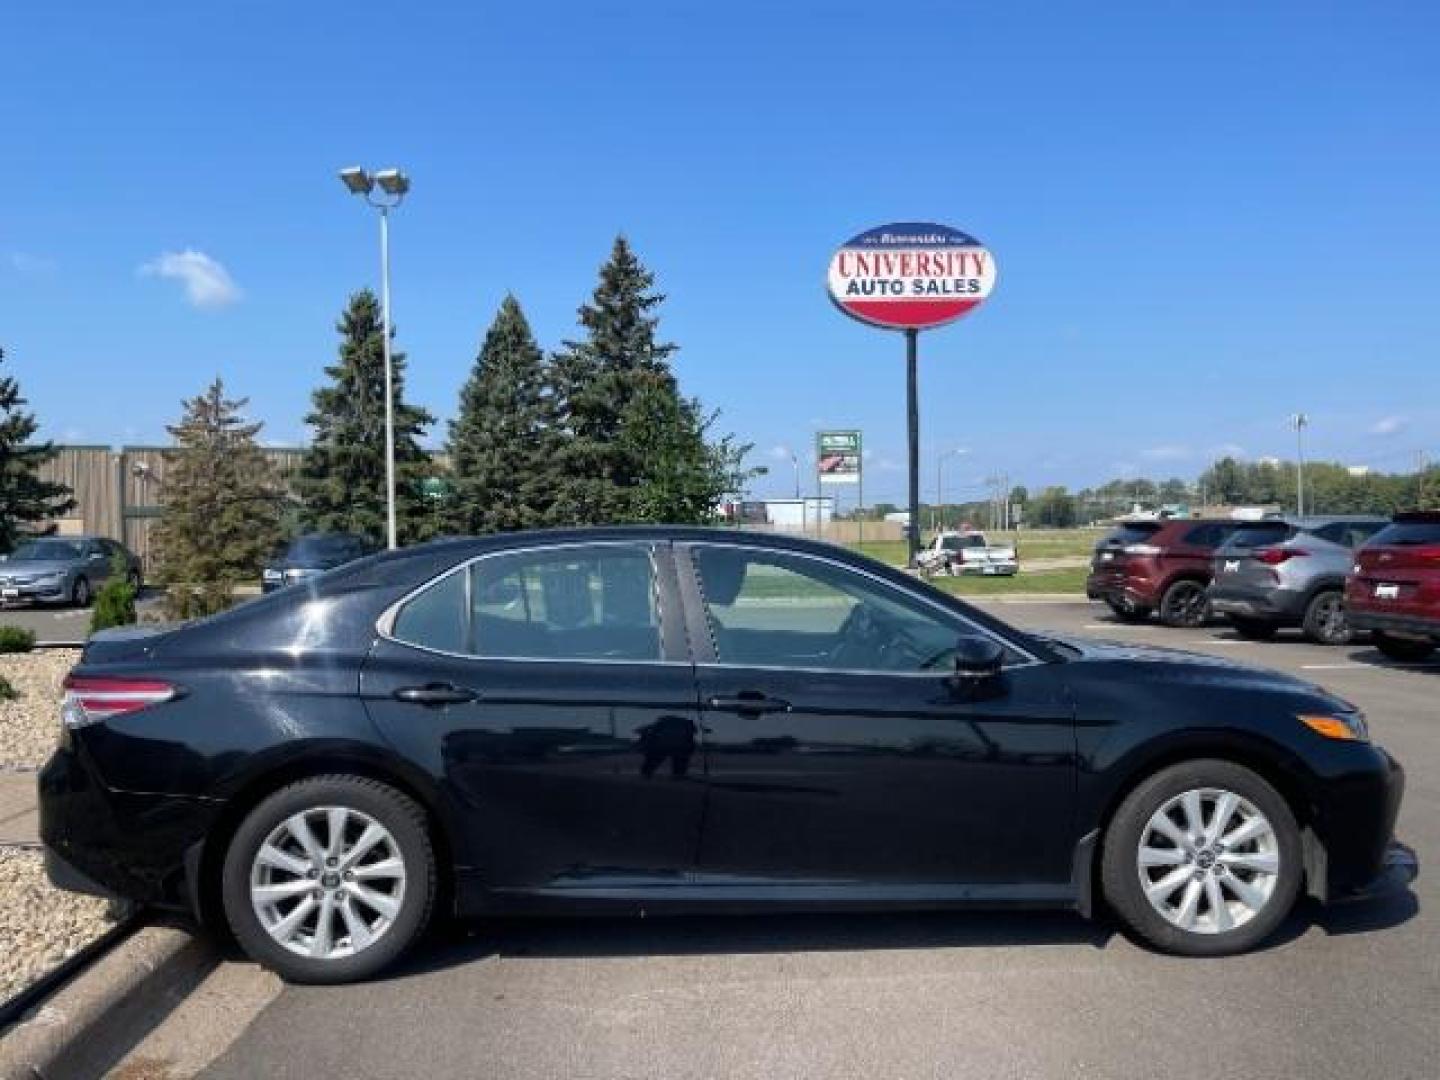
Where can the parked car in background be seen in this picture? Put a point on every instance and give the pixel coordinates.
(657, 720)
(968, 552)
(1157, 566)
(62, 569)
(1394, 587)
(314, 553)
(1289, 571)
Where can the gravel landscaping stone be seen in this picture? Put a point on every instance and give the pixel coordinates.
(40, 926)
(29, 724)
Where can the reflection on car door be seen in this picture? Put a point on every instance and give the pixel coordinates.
(837, 757)
(551, 692)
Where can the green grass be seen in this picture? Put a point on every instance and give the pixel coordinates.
(1027, 581)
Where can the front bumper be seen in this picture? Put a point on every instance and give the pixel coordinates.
(46, 593)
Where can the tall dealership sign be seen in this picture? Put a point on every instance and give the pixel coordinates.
(911, 276)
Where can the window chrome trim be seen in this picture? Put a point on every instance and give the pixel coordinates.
(1030, 659)
(385, 624)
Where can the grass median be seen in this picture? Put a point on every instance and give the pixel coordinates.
(1069, 580)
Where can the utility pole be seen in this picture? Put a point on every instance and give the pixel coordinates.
(1300, 422)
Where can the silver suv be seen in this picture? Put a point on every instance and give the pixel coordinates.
(1289, 571)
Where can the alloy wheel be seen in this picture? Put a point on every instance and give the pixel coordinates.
(1186, 604)
(1208, 860)
(1331, 626)
(327, 882)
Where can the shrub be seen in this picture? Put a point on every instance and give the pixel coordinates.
(184, 602)
(7, 692)
(15, 639)
(115, 602)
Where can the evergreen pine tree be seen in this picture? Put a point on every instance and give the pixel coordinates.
(635, 449)
(342, 478)
(504, 445)
(27, 503)
(222, 505)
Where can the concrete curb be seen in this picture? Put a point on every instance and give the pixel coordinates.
(88, 1025)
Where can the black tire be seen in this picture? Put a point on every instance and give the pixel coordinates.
(1252, 629)
(80, 592)
(1406, 650)
(1325, 622)
(406, 823)
(1120, 871)
(1128, 613)
(1185, 605)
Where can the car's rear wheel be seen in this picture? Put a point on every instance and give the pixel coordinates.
(1202, 859)
(1407, 650)
(1185, 605)
(80, 592)
(1325, 622)
(1252, 629)
(1127, 612)
(330, 880)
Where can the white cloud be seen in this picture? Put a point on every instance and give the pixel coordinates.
(1389, 425)
(1166, 452)
(207, 283)
(27, 264)
(780, 453)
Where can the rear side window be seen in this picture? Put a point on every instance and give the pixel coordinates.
(1212, 535)
(1409, 533)
(1349, 534)
(584, 603)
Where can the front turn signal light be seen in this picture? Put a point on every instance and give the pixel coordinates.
(1349, 727)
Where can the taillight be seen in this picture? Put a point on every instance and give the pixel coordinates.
(88, 701)
(1430, 553)
(1275, 556)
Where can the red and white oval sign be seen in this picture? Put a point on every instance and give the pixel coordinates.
(911, 275)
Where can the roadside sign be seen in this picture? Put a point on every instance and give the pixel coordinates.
(910, 275)
(837, 457)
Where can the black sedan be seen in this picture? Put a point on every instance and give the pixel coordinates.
(310, 555)
(689, 720)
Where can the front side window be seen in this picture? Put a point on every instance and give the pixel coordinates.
(770, 609)
(581, 603)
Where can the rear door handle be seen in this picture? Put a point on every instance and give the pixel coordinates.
(436, 694)
(750, 703)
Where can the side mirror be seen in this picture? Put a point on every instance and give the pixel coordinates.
(978, 661)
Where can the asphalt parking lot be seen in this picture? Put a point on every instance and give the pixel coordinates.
(52, 624)
(1345, 992)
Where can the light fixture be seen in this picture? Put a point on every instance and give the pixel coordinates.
(357, 180)
(393, 182)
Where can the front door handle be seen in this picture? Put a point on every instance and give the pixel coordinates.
(750, 703)
(436, 694)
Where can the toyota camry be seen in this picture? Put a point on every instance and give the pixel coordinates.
(660, 720)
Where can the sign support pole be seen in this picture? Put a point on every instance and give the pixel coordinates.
(912, 416)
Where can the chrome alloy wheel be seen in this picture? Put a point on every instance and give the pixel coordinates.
(1209, 861)
(327, 882)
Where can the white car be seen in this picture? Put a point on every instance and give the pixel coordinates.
(968, 553)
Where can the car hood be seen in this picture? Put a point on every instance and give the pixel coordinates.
(32, 567)
(1179, 663)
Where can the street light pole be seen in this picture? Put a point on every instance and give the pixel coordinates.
(795, 461)
(394, 184)
(1300, 421)
(940, 484)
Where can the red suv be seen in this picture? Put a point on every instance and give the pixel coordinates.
(1394, 588)
(1161, 566)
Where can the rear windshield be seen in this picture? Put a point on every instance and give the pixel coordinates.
(1261, 534)
(1409, 533)
(1133, 532)
(956, 543)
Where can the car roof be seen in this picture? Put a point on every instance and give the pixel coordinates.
(637, 533)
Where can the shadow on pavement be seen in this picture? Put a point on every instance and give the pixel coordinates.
(460, 943)
(1376, 659)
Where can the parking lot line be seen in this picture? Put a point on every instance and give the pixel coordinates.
(1369, 667)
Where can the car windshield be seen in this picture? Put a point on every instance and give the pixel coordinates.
(1408, 534)
(36, 550)
(323, 547)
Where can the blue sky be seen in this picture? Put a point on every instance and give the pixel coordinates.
(1204, 217)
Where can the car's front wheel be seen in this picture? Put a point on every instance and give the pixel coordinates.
(1202, 859)
(330, 879)
(80, 592)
